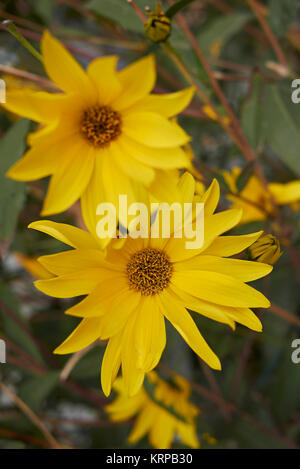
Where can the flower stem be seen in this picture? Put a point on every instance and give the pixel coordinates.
(236, 130)
(9, 25)
(257, 10)
(137, 10)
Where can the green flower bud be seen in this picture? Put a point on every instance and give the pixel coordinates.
(266, 249)
(158, 26)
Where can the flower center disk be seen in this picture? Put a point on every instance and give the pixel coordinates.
(100, 125)
(149, 271)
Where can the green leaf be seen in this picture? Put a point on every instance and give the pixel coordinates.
(35, 390)
(11, 329)
(281, 14)
(251, 437)
(252, 116)
(44, 9)
(221, 30)
(285, 396)
(12, 444)
(121, 12)
(280, 128)
(244, 176)
(176, 7)
(12, 193)
(88, 366)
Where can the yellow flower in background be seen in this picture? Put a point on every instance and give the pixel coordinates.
(132, 290)
(210, 440)
(163, 411)
(211, 113)
(265, 249)
(256, 193)
(32, 266)
(104, 133)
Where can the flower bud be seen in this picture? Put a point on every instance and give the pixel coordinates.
(158, 26)
(266, 249)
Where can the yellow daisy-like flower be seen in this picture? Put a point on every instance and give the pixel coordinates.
(105, 133)
(132, 290)
(163, 410)
(256, 193)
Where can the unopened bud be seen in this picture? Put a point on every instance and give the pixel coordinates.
(158, 26)
(266, 249)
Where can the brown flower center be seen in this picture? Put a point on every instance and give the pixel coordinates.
(100, 125)
(149, 271)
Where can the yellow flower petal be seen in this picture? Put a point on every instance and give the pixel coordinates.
(137, 81)
(42, 159)
(103, 73)
(111, 363)
(246, 317)
(211, 198)
(62, 68)
(38, 106)
(131, 166)
(69, 261)
(162, 431)
(81, 282)
(142, 424)
(165, 158)
(210, 310)
(167, 105)
(154, 130)
(91, 197)
(218, 223)
(67, 234)
(188, 434)
(123, 408)
(186, 187)
(183, 322)
(213, 227)
(99, 301)
(150, 334)
(219, 288)
(84, 335)
(229, 245)
(246, 271)
(116, 183)
(33, 165)
(164, 188)
(285, 193)
(133, 377)
(118, 313)
(70, 180)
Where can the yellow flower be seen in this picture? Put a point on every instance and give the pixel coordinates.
(163, 410)
(265, 249)
(104, 134)
(211, 113)
(256, 193)
(210, 440)
(132, 290)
